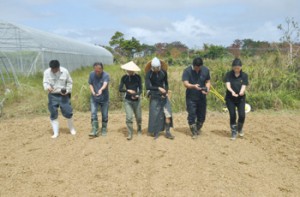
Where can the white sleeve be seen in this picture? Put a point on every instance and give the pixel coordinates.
(46, 83)
(69, 83)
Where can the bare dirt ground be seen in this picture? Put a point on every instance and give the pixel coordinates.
(265, 163)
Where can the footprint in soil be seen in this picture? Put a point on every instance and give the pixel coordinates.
(282, 189)
(163, 153)
(243, 163)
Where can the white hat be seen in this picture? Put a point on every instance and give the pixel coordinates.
(131, 66)
(155, 62)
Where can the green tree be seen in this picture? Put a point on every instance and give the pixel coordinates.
(130, 46)
(122, 46)
(214, 51)
(116, 40)
(251, 47)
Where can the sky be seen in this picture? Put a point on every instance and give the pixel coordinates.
(192, 22)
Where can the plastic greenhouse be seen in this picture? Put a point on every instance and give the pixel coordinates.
(25, 50)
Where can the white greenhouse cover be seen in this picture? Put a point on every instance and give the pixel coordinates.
(25, 50)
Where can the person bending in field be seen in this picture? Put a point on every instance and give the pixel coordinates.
(58, 82)
(236, 82)
(196, 79)
(98, 81)
(132, 101)
(160, 112)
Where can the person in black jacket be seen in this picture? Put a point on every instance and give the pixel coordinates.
(160, 112)
(236, 82)
(196, 79)
(132, 102)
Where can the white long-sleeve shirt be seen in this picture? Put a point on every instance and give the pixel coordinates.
(61, 79)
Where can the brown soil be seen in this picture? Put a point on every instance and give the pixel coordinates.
(265, 163)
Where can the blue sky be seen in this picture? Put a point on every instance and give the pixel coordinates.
(193, 22)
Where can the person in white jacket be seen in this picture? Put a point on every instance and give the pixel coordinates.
(58, 82)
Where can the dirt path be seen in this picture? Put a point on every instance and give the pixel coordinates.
(265, 163)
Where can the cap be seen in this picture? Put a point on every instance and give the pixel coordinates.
(237, 62)
(198, 61)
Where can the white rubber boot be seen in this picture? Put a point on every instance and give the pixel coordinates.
(71, 126)
(55, 127)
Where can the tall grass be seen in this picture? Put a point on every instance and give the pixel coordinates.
(273, 85)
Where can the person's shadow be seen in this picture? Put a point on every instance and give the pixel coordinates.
(183, 130)
(124, 131)
(222, 133)
(62, 131)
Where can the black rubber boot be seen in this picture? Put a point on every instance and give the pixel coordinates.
(139, 129)
(104, 129)
(130, 131)
(168, 133)
(233, 131)
(240, 129)
(95, 127)
(193, 129)
(199, 127)
(156, 135)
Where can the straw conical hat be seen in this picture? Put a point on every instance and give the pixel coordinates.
(131, 66)
(163, 64)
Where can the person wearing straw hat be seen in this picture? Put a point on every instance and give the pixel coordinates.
(236, 82)
(132, 102)
(160, 112)
(98, 83)
(196, 79)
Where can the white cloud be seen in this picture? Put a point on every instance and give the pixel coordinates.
(194, 33)
(146, 22)
(192, 22)
(92, 35)
(267, 32)
(157, 4)
(190, 31)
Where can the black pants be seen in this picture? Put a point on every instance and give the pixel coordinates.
(240, 105)
(196, 110)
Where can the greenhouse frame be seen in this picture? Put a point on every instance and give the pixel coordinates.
(26, 51)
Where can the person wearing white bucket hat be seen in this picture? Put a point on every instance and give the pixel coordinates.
(160, 112)
(132, 102)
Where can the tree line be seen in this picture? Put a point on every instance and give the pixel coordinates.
(132, 48)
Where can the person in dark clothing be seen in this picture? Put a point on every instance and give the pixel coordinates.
(160, 112)
(236, 82)
(132, 102)
(196, 79)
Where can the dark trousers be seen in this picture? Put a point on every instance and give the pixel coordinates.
(57, 100)
(94, 110)
(232, 105)
(196, 110)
